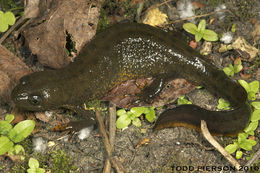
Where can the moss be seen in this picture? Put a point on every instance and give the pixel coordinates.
(103, 20)
(56, 161)
(115, 8)
(61, 162)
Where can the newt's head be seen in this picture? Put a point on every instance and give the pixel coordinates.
(37, 92)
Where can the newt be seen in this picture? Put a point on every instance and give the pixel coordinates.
(130, 51)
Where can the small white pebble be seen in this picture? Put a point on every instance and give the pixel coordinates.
(84, 133)
(48, 113)
(39, 144)
(178, 143)
(51, 143)
(227, 37)
(186, 9)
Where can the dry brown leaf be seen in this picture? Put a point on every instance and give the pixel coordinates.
(241, 44)
(126, 94)
(47, 35)
(31, 9)
(11, 70)
(197, 4)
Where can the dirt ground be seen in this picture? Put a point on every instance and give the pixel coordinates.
(170, 150)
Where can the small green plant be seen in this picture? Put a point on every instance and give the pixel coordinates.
(241, 143)
(34, 166)
(231, 70)
(200, 31)
(233, 28)
(6, 19)
(126, 117)
(223, 104)
(251, 88)
(10, 135)
(183, 101)
(61, 162)
(244, 141)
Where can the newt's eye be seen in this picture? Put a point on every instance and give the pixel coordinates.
(35, 100)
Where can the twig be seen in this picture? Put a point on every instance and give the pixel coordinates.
(112, 125)
(112, 131)
(213, 142)
(118, 166)
(106, 141)
(20, 20)
(199, 16)
(254, 158)
(159, 4)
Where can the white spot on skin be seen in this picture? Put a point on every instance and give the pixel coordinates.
(46, 94)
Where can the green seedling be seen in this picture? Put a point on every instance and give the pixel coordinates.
(126, 117)
(256, 105)
(10, 135)
(200, 31)
(34, 166)
(183, 101)
(6, 19)
(231, 70)
(233, 28)
(251, 88)
(223, 104)
(243, 142)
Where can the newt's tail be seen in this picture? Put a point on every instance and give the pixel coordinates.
(218, 122)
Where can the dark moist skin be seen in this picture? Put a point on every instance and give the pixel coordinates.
(129, 51)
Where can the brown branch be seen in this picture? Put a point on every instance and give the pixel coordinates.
(20, 20)
(254, 158)
(112, 132)
(199, 16)
(213, 142)
(106, 143)
(112, 125)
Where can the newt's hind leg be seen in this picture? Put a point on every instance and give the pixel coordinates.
(149, 92)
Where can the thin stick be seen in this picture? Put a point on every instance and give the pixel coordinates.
(199, 16)
(112, 131)
(213, 142)
(106, 141)
(254, 158)
(20, 20)
(112, 125)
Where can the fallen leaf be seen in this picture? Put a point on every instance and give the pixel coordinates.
(125, 95)
(155, 17)
(198, 5)
(241, 44)
(47, 35)
(31, 9)
(12, 69)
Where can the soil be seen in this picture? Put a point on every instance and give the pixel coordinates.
(170, 150)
